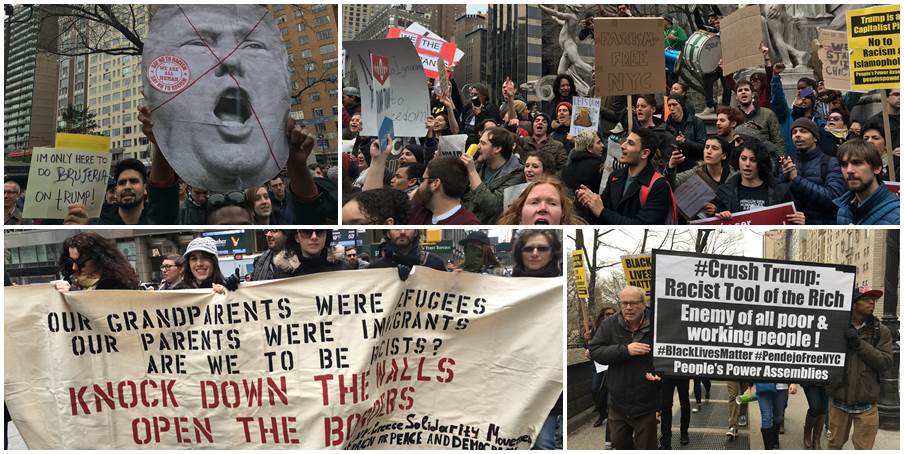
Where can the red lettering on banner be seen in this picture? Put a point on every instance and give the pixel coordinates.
(146, 430)
(125, 394)
(272, 430)
(229, 394)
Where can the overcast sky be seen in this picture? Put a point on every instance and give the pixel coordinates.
(474, 9)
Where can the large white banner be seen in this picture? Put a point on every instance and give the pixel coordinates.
(350, 359)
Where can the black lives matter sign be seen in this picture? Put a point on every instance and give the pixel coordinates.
(738, 318)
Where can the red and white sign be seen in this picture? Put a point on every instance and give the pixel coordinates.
(169, 74)
(379, 65)
(774, 215)
(428, 48)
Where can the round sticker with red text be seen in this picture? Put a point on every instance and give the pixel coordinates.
(168, 73)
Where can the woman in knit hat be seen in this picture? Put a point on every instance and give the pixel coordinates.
(561, 126)
(202, 268)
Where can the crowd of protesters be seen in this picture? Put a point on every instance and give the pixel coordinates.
(139, 195)
(763, 151)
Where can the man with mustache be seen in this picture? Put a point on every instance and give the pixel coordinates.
(868, 201)
(495, 169)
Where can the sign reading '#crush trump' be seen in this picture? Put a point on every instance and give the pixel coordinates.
(349, 359)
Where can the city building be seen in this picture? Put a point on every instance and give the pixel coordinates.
(310, 34)
(444, 20)
(514, 46)
(355, 16)
(862, 248)
(471, 38)
(30, 80)
(387, 16)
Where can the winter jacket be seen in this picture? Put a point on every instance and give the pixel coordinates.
(818, 183)
(629, 391)
(192, 214)
(728, 199)
(626, 209)
(864, 365)
(694, 137)
(317, 210)
(559, 133)
(391, 258)
(880, 208)
(264, 269)
(584, 168)
(485, 201)
(552, 147)
(768, 123)
(782, 113)
(162, 207)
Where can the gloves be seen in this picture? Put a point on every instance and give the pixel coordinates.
(852, 338)
(231, 283)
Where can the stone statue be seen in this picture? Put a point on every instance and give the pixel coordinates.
(571, 61)
(780, 26)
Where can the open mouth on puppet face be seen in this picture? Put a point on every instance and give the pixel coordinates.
(233, 109)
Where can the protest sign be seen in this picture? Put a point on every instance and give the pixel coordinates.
(638, 270)
(430, 49)
(834, 61)
(219, 104)
(75, 172)
(580, 274)
(511, 193)
(419, 29)
(692, 195)
(741, 35)
(630, 55)
(452, 144)
(585, 114)
(349, 359)
(612, 162)
(772, 215)
(874, 41)
(746, 319)
(408, 99)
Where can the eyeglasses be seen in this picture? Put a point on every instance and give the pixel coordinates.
(167, 267)
(309, 232)
(219, 199)
(532, 249)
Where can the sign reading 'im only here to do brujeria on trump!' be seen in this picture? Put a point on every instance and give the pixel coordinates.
(348, 359)
(738, 318)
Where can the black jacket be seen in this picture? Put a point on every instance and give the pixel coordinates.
(627, 209)
(392, 258)
(162, 207)
(629, 391)
(727, 194)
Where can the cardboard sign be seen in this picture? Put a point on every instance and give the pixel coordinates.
(429, 48)
(740, 318)
(585, 114)
(875, 44)
(580, 274)
(834, 59)
(58, 177)
(344, 360)
(772, 215)
(630, 55)
(407, 99)
(452, 145)
(638, 270)
(741, 35)
(216, 79)
(511, 193)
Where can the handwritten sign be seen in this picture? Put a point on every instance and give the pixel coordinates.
(834, 60)
(742, 33)
(347, 360)
(59, 177)
(875, 44)
(638, 270)
(430, 49)
(580, 273)
(585, 114)
(408, 101)
(630, 56)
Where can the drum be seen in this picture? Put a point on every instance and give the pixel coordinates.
(702, 52)
(672, 57)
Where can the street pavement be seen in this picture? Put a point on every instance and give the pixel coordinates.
(707, 428)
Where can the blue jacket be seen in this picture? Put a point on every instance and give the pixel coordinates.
(782, 112)
(814, 194)
(880, 208)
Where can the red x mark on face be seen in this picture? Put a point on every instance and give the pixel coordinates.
(219, 62)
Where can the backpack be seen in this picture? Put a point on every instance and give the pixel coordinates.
(645, 193)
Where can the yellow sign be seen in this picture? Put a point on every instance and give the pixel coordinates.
(875, 45)
(82, 142)
(580, 275)
(638, 270)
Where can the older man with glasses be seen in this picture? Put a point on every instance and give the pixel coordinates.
(624, 343)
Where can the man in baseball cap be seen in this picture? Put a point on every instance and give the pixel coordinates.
(869, 355)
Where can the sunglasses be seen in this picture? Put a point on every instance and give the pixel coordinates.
(79, 262)
(834, 118)
(309, 232)
(219, 199)
(532, 249)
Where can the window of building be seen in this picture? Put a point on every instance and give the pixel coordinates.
(315, 97)
(303, 39)
(310, 67)
(324, 34)
(321, 20)
(327, 49)
(306, 53)
(281, 20)
(331, 63)
(300, 27)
